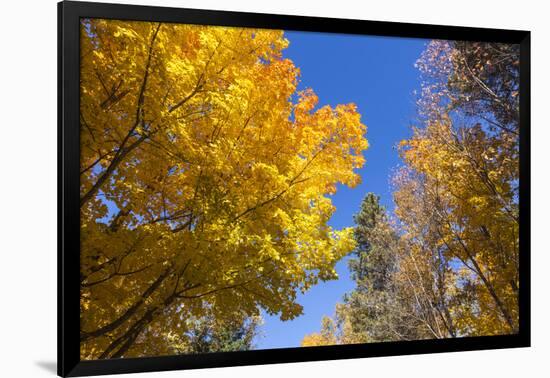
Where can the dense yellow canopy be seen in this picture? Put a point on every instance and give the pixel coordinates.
(205, 181)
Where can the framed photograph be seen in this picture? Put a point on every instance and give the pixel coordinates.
(240, 188)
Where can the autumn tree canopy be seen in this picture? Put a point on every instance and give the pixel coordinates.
(204, 182)
(446, 263)
(205, 195)
(464, 165)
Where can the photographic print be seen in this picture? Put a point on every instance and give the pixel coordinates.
(251, 188)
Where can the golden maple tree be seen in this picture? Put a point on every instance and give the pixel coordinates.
(204, 181)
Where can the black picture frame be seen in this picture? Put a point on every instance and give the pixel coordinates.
(69, 14)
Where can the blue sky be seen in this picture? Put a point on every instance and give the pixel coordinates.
(377, 74)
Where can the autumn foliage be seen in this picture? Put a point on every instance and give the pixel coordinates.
(205, 195)
(446, 263)
(204, 185)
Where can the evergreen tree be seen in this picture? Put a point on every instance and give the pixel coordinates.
(208, 334)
